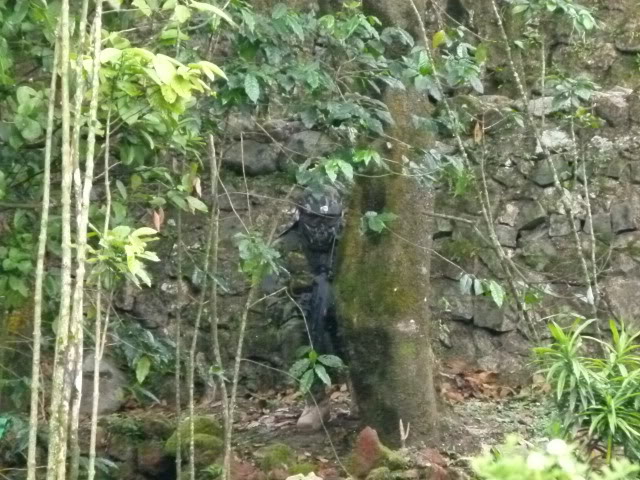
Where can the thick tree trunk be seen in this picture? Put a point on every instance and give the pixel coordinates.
(383, 290)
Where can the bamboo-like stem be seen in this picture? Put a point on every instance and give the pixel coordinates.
(39, 275)
(178, 396)
(58, 423)
(211, 238)
(100, 332)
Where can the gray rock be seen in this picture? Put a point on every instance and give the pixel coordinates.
(554, 141)
(616, 168)
(450, 302)
(443, 228)
(628, 41)
(531, 215)
(560, 225)
(150, 310)
(623, 218)
(487, 314)
(601, 224)
(541, 107)
(543, 173)
(506, 235)
(112, 386)
(304, 145)
(622, 296)
(259, 158)
(613, 107)
(509, 215)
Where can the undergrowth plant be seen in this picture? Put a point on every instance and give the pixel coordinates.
(558, 461)
(597, 397)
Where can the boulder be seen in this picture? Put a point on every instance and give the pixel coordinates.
(487, 314)
(543, 175)
(304, 145)
(560, 225)
(507, 236)
(112, 386)
(531, 215)
(554, 141)
(259, 158)
(622, 296)
(613, 107)
(623, 218)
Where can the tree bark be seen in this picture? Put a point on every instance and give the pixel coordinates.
(383, 288)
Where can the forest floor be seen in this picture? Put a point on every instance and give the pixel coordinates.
(477, 410)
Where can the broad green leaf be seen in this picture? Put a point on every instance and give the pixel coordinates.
(181, 14)
(25, 93)
(439, 38)
(299, 367)
(211, 69)
(196, 204)
(143, 6)
(30, 129)
(164, 68)
(520, 8)
(205, 7)
(307, 381)
(143, 275)
(168, 93)
(143, 366)
(252, 87)
(322, 374)
(143, 231)
(331, 361)
(497, 293)
(122, 189)
(135, 181)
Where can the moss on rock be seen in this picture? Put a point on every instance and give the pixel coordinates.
(207, 439)
(277, 456)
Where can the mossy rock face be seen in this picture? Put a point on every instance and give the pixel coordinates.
(380, 473)
(303, 468)
(277, 456)
(207, 439)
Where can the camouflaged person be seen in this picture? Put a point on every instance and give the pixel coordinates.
(319, 225)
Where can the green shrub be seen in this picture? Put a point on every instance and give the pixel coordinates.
(599, 396)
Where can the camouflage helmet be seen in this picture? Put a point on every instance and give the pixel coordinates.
(320, 217)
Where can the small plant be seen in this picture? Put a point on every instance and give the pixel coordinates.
(312, 367)
(374, 222)
(596, 396)
(558, 461)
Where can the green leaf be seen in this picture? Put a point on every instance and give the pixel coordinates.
(520, 8)
(122, 189)
(196, 204)
(497, 293)
(143, 6)
(482, 53)
(164, 68)
(181, 14)
(299, 367)
(143, 232)
(110, 54)
(168, 93)
(143, 366)
(322, 374)
(205, 7)
(30, 129)
(25, 93)
(331, 361)
(307, 381)
(252, 87)
(211, 69)
(439, 38)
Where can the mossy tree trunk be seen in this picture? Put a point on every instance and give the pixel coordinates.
(383, 289)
